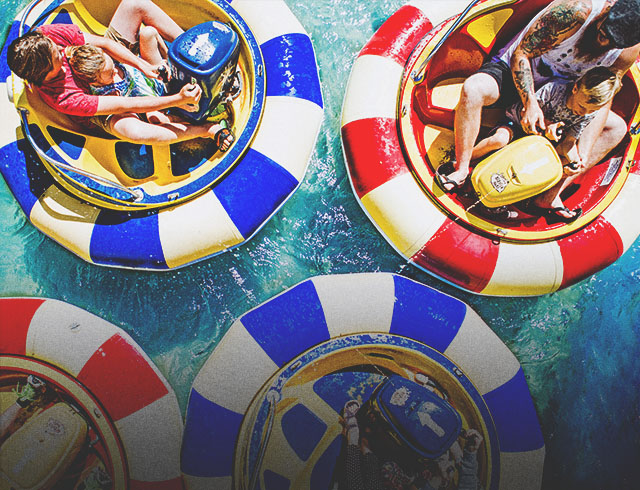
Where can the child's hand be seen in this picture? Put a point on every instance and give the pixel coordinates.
(554, 131)
(190, 94)
(473, 440)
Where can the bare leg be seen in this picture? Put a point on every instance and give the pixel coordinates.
(593, 144)
(478, 91)
(152, 48)
(131, 14)
(499, 139)
(131, 128)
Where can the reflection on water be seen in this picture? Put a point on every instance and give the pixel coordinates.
(578, 347)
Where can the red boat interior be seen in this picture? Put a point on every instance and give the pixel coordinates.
(435, 98)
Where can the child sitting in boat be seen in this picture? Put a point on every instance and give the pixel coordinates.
(568, 108)
(104, 76)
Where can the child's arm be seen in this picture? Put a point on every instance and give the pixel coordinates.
(568, 151)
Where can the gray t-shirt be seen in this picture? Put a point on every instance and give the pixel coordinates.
(552, 98)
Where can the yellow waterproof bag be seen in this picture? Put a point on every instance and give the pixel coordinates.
(40, 451)
(522, 169)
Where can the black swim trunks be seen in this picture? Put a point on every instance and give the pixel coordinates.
(501, 73)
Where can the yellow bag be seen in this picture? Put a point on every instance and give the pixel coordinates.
(522, 169)
(39, 452)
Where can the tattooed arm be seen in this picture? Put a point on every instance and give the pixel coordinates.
(560, 20)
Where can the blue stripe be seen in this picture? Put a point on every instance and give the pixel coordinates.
(288, 324)
(13, 33)
(515, 416)
(426, 315)
(25, 174)
(254, 190)
(127, 239)
(209, 438)
(290, 66)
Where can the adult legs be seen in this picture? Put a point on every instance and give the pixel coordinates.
(130, 127)
(478, 91)
(602, 135)
(131, 14)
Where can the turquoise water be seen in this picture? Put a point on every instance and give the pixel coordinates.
(578, 347)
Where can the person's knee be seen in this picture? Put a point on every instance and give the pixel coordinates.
(148, 33)
(479, 90)
(616, 128)
(501, 137)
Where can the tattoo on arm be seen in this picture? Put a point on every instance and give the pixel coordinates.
(523, 79)
(562, 19)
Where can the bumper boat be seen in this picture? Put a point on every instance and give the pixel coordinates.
(372, 338)
(159, 207)
(397, 129)
(81, 406)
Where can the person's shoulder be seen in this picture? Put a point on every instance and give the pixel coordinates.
(570, 11)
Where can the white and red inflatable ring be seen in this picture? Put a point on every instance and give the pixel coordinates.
(101, 357)
(414, 223)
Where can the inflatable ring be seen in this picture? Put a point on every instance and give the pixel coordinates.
(330, 339)
(397, 126)
(97, 368)
(192, 220)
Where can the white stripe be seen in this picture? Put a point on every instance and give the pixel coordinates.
(35, 13)
(481, 355)
(152, 437)
(521, 471)
(66, 336)
(403, 213)
(372, 89)
(10, 120)
(200, 483)
(267, 18)
(288, 132)
(355, 303)
(620, 212)
(65, 219)
(236, 370)
(526, 269)
(196, 229)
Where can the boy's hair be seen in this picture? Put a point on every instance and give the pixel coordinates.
(30, 56)
(599, 84)
(86, 61)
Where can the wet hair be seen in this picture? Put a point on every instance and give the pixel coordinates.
(599, 84)
(86, 61)
(621, 24)
(30, 56)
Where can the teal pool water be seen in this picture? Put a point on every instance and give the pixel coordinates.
(579, 348)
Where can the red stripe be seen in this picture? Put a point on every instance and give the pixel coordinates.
(459, 256)
(175, 484)
(592, 249)
(373, 153)
(15, 319)
(399, 34)
(121, 378)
